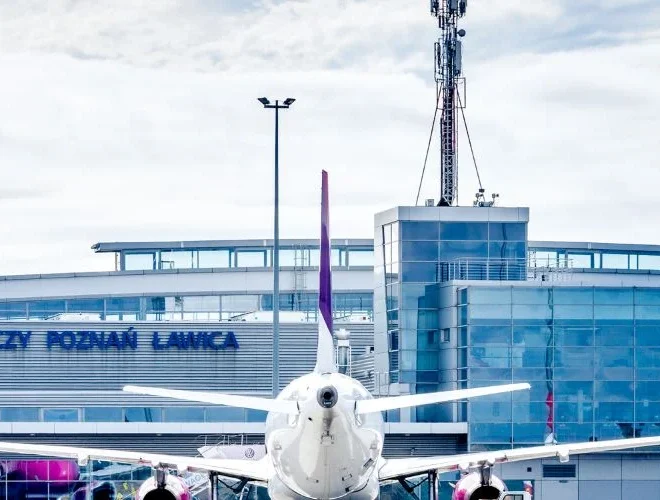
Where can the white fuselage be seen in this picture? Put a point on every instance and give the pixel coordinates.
(324, 452)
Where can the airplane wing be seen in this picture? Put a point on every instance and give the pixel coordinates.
(393, 402)
(404, 467)
(253, 470)
(254, 403)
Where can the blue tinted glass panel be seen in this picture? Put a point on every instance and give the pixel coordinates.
(419, 231)
(220, 258)
(534, 411)
(613, 313)
(85, 305)
(482, 295)
(651, 262)
(490, 433)
(529, 433)
(428, 360)
(142, 414)
(614, 412)
(531, 295)
(19, 414)
(507, 231)
(621, 335)
(178, 259)
(119, 305)
(251, 259)
(574, 357)
(506, 251)
(46, 306)
(490, 374)
(529, 374)
(490, 357)
(647, 390)
(60, 414)
(496, 411)
(574, 336)
(139, 261)
(490, 335)
(532, 336)
(102, 414)
(573, 295)
(647, 373)
(614, 261)
(412, 295)
(647, 313)
(620, 296)
(648, 357)
(574, 412)
(571, 432)
(419, 251)
(421, 272)
(613, 430)
(464, 231)
(494, 315)
(614, 364)
(574, 312)
(647, 412)
(579, 260)
(573, 391)
(530, 357)
(614, 391)
(456, 250)
(647, 296)
(648, 335)
(361, 258)
(534, 314)
(183, 414)
(225, 414)
(255, 416)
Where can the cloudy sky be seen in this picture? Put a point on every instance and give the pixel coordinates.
(124, 120)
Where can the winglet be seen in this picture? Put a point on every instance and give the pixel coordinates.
(325, 359)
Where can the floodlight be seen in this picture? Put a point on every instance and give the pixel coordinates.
(289, 101)
(264, 101)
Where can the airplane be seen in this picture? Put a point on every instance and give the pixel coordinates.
(324, 433)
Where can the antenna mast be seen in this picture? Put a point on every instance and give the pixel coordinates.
(448, 71)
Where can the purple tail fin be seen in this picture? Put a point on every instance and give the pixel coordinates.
(325, 357)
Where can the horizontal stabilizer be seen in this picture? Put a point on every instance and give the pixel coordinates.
(394, 402)
(215, 398)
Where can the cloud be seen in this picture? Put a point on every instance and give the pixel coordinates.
(139, 120)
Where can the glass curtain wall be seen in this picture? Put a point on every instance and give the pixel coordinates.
(591, 355)
(427, 253)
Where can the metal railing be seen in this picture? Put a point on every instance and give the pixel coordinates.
(501, 270)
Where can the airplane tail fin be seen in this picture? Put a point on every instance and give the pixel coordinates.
(325, 355)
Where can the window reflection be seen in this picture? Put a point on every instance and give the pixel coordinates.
(142, 415)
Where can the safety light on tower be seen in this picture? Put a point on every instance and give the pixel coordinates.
(448, 76)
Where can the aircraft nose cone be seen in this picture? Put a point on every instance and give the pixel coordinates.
(327, 396)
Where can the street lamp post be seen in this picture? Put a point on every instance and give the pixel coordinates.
(276, 244)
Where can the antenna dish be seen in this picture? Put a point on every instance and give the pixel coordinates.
(461, 33)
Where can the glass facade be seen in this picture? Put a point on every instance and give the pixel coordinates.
(415, 257)
(237, 256)
(192, 307)
(181, 414)
(591, 355)
(594, 259)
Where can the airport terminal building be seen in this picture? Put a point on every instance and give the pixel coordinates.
(440, 298)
